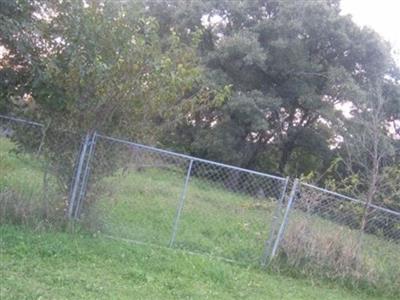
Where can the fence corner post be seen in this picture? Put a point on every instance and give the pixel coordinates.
(285, 218)
(180, 204)
(274, 225)
(85, 174)
(77, 178)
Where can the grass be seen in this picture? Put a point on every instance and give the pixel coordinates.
(379, 254)
(28, 195)
(19, 171)
(141, 206)
(56, 265)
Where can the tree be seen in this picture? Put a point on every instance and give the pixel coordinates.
(19, 30)
(103, 67)
(367, 163)
(290, 64)
(369, 149)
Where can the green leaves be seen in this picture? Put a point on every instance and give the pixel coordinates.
(289, 66)
(108, 62)
(105, 66)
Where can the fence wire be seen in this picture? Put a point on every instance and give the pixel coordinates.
(155, 196)
(228, 212)
(336, 236)
(148, 195)
(133, 192)
(36, 168)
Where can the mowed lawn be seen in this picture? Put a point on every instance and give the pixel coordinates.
(54, 265)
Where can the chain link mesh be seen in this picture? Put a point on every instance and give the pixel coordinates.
(228, 212)
(133, 192)
(147, 195)
(325, 235)
(34, 180)
(143, 194)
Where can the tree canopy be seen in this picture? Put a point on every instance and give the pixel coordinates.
(262, 84)
(291, 65)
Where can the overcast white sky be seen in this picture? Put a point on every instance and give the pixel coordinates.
(381, 15)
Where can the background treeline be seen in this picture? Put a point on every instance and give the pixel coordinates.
(285, 87)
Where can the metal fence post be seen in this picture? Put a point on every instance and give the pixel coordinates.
(274, 225)
(43, 131)
(76, 160)
(285, 218)
(180, 204)
(76, 181)
(85, 176)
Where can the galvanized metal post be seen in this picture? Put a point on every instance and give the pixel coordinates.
(39, 150)
(85, 176)
(76, 160)
(75, 183)
(180, 205)
(274, 225)
(285, 218)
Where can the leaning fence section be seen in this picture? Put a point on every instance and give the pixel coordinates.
(22, 187)
(148, 195)
(145, 194)
(228, 211)
(337, 236)
(133, 191)
(36, 165)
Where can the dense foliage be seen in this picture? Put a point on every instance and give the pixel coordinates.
(291, 65)
(261, 84)
(80, 67)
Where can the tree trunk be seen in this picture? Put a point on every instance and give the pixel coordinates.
(372, 183)
(287, 150)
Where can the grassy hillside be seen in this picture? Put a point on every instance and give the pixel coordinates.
(28, 194)
(54, 265)
(140, 206)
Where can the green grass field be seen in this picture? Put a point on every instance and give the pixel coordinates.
(141, 206)
(56, 265)
(39, 263)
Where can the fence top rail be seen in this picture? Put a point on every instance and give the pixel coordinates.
(190, 157)
(216, 164)
(351, 199)
(393, 212)
(21, 121)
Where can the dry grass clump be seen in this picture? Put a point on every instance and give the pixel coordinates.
(332, 253)
(20, 209)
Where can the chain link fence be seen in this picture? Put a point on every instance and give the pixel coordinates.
(325, 235)
(36, 166)
(147, 195)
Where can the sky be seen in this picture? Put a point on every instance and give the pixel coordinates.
(383, 16)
